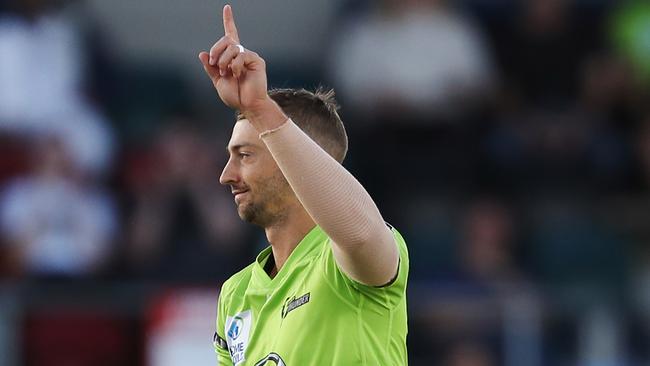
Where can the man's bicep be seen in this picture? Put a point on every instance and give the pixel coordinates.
(388, 294)
(374, 263)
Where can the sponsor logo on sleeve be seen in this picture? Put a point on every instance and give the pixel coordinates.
(237, 331)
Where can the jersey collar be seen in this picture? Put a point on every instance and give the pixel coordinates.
(312, 241)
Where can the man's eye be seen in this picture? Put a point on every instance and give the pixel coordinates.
(244, 155)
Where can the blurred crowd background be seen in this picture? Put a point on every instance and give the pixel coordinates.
(509, 141)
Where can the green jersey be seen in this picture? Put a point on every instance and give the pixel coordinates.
(311, 313)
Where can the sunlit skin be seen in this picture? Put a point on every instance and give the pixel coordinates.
(262, 194)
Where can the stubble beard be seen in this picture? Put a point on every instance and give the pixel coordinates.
(267, 206)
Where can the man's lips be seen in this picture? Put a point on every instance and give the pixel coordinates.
(238, 192)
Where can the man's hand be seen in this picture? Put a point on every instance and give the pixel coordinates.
(239, 77)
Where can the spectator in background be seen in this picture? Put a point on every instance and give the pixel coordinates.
(42, 70)
(487, 248)
(608, 91)
(542, 52)
(464, 318)
(52, 222)
(427, 59)
(182, 226)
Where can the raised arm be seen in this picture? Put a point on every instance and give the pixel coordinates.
(363, 245)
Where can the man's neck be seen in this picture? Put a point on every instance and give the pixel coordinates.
(286, 236)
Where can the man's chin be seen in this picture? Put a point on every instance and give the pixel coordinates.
(242, 213)
(245, 213)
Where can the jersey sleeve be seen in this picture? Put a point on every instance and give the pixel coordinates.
(387, 296)
(219, 339)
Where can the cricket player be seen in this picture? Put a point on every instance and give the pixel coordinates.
(331, 287)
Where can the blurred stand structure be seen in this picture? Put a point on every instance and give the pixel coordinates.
(508, 141)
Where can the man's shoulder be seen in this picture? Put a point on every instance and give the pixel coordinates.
(237, 280)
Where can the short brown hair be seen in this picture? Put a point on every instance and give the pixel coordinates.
(316, 114)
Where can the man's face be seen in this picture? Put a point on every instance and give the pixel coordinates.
(262, 194)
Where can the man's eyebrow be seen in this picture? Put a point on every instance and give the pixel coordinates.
(238, 146)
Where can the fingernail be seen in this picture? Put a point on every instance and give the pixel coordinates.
(221, 72)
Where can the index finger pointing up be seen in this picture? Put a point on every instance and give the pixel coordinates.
(229, 23)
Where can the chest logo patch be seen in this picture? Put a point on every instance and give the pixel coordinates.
(237, 331)
(292, 303)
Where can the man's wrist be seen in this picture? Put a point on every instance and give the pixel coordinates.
(265, 116)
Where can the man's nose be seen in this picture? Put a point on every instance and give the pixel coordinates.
(228, 175)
